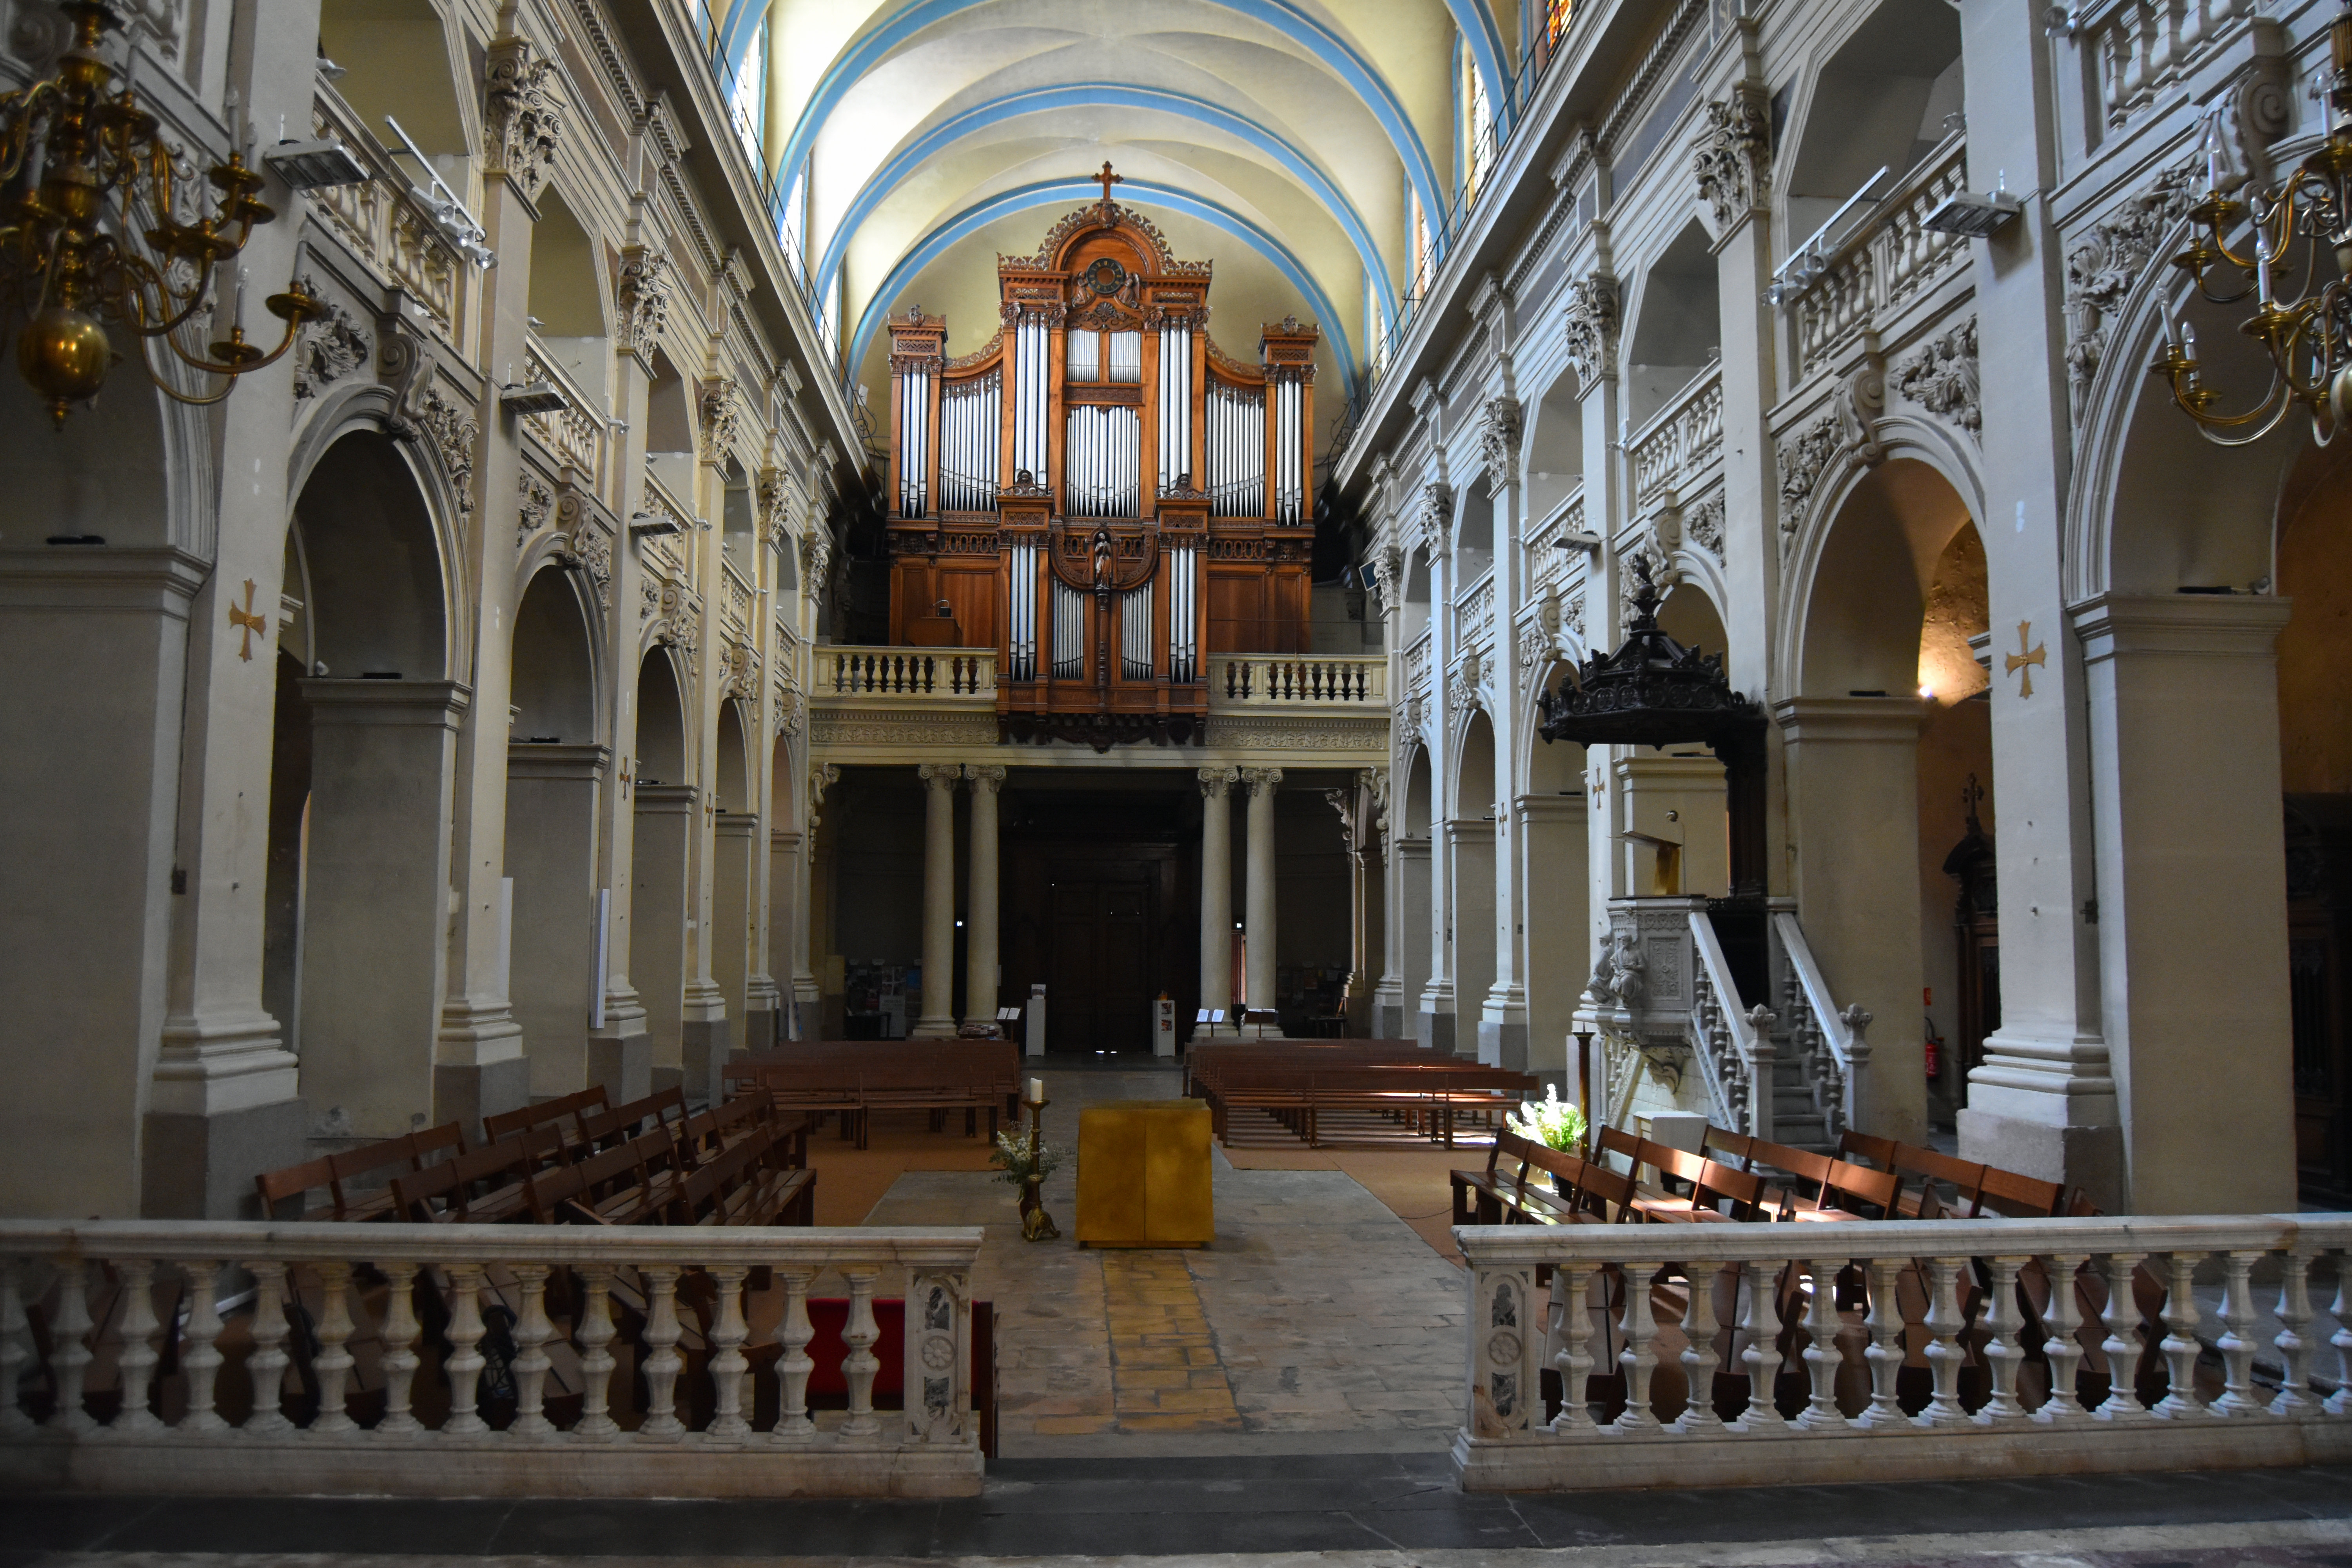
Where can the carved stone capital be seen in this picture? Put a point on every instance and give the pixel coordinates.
(1436, 519)
(641, 292)
(939, 775)
(522, 118)
(1260, 781)
(985, 777)
(1216, 782)
(1499, 440)
(1589, 326)
(1733, 160)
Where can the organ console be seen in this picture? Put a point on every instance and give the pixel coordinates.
(1099, 492)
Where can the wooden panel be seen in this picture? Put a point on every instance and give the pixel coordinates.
(1237, 610)
(974, 590)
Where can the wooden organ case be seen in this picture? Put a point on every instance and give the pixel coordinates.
(1099, 493)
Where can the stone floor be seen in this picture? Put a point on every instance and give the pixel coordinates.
(1396, 1510)
(1317, 1323)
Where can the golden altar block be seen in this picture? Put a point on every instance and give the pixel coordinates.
(1143, 1174)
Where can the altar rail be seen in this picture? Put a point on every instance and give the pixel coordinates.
(1962, 1307)
(456, 1360)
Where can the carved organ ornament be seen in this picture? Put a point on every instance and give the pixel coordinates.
(1099, 493)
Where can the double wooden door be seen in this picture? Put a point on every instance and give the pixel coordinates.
(1100, 978)
(1105, 918)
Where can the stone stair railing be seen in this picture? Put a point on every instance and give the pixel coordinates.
(1632, 1317)
(482, 1360)
(1826, 1043)
(1734, 1050)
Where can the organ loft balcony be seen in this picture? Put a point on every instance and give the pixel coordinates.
(1099, 522)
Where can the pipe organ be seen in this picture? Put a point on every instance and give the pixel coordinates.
(1100, 493)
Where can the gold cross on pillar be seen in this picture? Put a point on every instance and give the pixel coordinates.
(626, 778)
(247, 622)
(1108, 180)
(2025, 658)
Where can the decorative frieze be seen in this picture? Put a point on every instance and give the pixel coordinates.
(537, 501)
(330, 347)
(1941, 377)
(2115, 255)
(1703, 525)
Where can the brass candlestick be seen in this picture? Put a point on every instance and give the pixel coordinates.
(1036, 1224)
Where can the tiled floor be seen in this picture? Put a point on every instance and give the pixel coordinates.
(1317, 1323)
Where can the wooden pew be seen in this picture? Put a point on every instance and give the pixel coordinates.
(575, 1104)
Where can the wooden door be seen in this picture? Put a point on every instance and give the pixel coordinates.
(1099, 972)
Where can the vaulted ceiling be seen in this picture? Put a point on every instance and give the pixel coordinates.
(1277, 138)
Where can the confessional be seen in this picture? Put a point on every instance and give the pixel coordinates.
(1099, 493)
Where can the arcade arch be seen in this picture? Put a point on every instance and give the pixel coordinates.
(660, 894)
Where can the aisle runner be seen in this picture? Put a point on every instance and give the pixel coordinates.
(1165, 1373)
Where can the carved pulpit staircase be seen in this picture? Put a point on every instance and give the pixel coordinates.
(1728, 983)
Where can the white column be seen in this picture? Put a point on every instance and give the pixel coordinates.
(1258, 919)
(938, 899)
(980, 984)
(1217, 887)
(2184, 745)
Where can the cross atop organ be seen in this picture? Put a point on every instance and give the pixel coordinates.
(1100, 493)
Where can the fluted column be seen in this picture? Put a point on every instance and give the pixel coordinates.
(1216, 886)
(1258, 986)
(939, 898)
(980, 992)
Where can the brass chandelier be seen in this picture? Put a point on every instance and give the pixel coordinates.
(83, 170)
(2307, 333)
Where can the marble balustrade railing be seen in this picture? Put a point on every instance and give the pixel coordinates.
(846, 672)
(477, 1359)
(1293, 681)
(1903, 1349)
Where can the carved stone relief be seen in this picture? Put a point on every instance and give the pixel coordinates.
(1941, 376)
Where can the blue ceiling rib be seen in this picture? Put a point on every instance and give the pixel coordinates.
(1475, 21)
(1060, 192)
(879, 43)
(1095, 95)
(736, 31)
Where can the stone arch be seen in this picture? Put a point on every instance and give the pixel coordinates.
(1676, 325)
(730, 779)
(739, 525)
(555, 669)
(1878, 100)
(661, 720)
(1416, 601)
(1551, 455)
(371, 557)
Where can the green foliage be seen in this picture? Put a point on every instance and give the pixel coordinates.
(1017, 1157)
(1554, 1123)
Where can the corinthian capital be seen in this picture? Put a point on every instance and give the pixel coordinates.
(522, 118)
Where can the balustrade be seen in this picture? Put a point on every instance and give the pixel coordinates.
(1683, 442)
(2141, 47)
(1291, 682)
(1474, 608)
(419, 1359)
(1736, 1355)
(385, 225)
(1828, 1042)
(1418, 658)
(1892, 256)
(578, 433)
(906, 672)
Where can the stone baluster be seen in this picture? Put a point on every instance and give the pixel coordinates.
(795, 1331)
(266, 1370)
(1761, 1323)
(860, 1365)
(1943, 1353)
(1639, 1356)
(2294, 1398)
(533, 1331)
(200, 1360)
(139, 1347)
(2182, 1317)
(15, 1348)
(70, 1352)
(334, 1366)
(1821, 1413)
(400, 1334)
(464, 1367)
(2340, 1402)
(2126, 1339)
(2004, 1352)
(2063, 1320)
(2237, 1342)
(1885, 1352)
(1698, 1358)
(597, 1361)
(1571, 1284)
(663, 1363)
(730, 1371)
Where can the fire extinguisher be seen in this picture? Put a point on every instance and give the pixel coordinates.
(1935, 1049)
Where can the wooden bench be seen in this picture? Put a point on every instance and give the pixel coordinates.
(1429, 1097)
(350, 1196)
(576, 1104)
